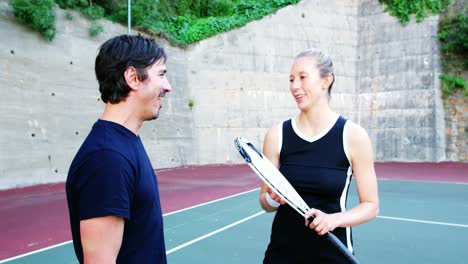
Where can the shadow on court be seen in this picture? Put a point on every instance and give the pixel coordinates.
(423, 218)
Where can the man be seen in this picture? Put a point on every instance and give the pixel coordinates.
(112, 190)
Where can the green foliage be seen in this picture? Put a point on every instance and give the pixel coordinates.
(404, 9)
(208, 18)
(37, 14)
(453, 36)
(221, 8)
(69, 16)
(201, 8)
(191, 103)
(95, 29)
(182, 7)
(111, 5)
(94, 12)
(72, 3)
(451, 82)
(182, 22)
(147, 12)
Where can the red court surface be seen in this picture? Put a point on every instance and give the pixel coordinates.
(36, 217)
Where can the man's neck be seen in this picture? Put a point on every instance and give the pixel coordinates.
(121, 113)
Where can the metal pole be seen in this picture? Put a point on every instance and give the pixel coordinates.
(129, 12)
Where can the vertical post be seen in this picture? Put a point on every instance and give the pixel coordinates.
(129, 12)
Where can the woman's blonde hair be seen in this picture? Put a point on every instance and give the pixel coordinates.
(324, 63)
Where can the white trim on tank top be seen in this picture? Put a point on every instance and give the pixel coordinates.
(345, 141)
(344, 194)
(280, 137)
(314, 138)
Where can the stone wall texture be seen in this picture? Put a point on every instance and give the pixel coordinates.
(386, 80)
(456, 104)
(456, 120)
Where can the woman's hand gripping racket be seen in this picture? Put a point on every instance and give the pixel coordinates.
(271, 176)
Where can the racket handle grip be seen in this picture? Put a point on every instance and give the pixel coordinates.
(339, 245)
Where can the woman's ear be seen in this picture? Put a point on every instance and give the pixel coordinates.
(327, 81)
(131, 78)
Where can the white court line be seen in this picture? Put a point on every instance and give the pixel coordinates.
(421, 221)
(35, 251)
(214, 201)
(422, 181)
(261, 212)
(229, 226)
(170, 213)
(213, 233)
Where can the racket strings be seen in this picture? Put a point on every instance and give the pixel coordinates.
(286, 194)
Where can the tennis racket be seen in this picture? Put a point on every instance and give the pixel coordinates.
(273, 178)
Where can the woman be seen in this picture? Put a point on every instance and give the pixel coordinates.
(318, 151)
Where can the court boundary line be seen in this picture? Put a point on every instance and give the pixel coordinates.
(209, 202)
(35, 251)
(213, 233)
(166, 214)
(423, 181)
(421, 221)
(236, 223)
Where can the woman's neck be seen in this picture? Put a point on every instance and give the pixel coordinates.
(314, 121)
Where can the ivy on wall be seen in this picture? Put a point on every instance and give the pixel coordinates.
(453, 37)
(40, 15)
(404, 9)
(187, 27)
(182, 22)
(37, 14)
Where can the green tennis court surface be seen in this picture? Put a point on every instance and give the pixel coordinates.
(419, 222)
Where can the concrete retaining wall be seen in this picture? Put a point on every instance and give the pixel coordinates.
(386, 80)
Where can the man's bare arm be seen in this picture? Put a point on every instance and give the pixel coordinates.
(101, 239)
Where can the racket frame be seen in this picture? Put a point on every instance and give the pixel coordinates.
(241, 144)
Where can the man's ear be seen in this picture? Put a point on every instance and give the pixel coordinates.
(131, 78)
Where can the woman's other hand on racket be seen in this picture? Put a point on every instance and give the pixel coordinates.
(269, 200)
(322, 223)
(275, 196)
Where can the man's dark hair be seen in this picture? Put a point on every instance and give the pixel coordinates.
(118, 54)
